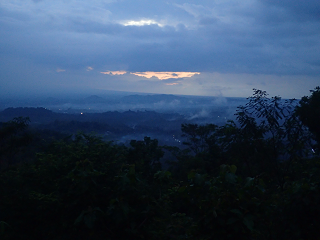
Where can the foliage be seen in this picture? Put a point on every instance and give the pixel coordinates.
(13, 140)
(277, 137)
(309, 113)
(250, 179)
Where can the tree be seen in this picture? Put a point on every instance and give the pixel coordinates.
(145, 155)
(275, 131)
(13, 140)
(309, 113)
(199, 138)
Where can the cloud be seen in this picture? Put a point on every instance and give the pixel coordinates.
(172, 84)
(89, 69)
(194, 10)
(202, 114)
(226, 36)
(60, 10)
(161, 40)
(60, 70)
(299, 10)
(165, 75)
(141, 22)
(114, 72)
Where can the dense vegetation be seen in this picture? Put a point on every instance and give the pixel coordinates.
(256, 178)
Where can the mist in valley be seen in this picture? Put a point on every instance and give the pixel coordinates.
(121, 117)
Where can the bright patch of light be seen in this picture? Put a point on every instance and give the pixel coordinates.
(142, 22)
(89, 68)
(172, 84)
(60, 70)
(114, 72)
(165, 75)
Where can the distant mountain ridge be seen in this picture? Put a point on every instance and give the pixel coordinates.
(147, 99)
(95, 99)
(43, 115)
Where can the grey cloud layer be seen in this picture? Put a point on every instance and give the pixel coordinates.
(252, 36)
(227, 36)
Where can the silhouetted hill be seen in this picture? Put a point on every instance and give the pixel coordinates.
(35, 113)
(127, 122)
(94, 99)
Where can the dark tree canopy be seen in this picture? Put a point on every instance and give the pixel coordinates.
(253, 178)
(309, 112)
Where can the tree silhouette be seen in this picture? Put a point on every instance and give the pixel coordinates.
(309, 113)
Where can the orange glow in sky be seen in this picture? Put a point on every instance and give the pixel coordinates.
(114, 72)
(165, 75)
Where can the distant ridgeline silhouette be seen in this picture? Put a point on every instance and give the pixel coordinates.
(147, 99)
(25, 112)
(109, 121)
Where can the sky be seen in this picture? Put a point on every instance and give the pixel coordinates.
(203, 47)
